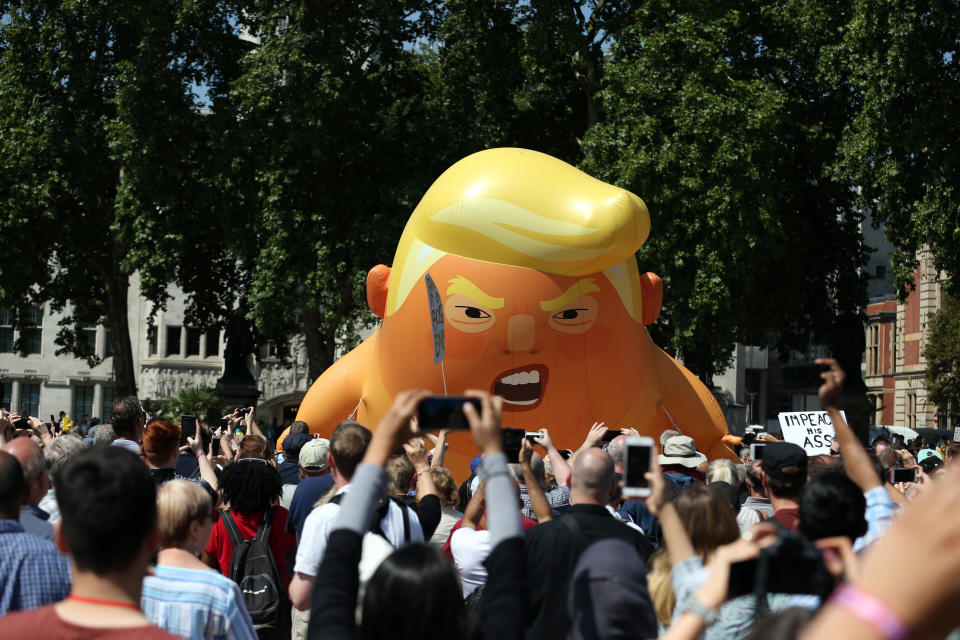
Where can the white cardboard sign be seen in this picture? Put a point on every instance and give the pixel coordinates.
(436, 319)
(956, 434)
(812, 430)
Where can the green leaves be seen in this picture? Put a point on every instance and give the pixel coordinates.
(942, 353)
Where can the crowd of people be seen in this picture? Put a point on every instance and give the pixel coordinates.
(151, 532)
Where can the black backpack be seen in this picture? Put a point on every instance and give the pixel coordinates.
(253, 568)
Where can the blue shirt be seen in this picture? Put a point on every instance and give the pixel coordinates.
(193, 603)
(32, 572)
(34, 520)
(308, 492)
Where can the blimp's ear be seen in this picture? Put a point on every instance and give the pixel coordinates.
(377, 287)
(652, 287)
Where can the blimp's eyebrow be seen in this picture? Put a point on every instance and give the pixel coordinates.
(579, 288)
(464, 287)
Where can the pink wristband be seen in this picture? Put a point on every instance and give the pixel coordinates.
(201, 454)
(871, 610)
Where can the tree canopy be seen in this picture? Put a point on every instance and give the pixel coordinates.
(105, 159)
(942, 353)
(718, 118)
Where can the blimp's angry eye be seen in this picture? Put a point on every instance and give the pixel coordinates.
(473, 313)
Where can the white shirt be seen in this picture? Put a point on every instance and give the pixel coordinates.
(632, 525)
(319, 524)
(129, 445)
(470, 548)
(286, 495)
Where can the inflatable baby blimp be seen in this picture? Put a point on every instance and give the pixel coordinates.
(543, 304)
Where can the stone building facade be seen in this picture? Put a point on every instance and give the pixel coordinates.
(168, 357)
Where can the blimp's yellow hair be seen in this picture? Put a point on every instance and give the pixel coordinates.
(525, 209)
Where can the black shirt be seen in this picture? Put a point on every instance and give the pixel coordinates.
(552, 551)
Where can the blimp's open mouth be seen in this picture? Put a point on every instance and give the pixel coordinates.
(521, 388)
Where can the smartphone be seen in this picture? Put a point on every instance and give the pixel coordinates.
(215, 445)
(532, 435)
(189, 426)
(791, 566)
(242, 411)
(444, 412)
(22, 423)
(224, 423)
(756, 451)
(637, 460)
(610, 435)
(903, 475)
(512, 441)
(803, 376)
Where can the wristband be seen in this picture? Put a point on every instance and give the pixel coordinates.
(200, 454)
(420, 473)
(872, 611)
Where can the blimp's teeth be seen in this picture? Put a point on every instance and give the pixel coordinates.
(522, 377)
(521, 402)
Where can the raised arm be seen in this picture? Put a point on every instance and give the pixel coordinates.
(538, 499)
(561, 470)
(856, 460)
(206, 469)
(335, 587)
(594, 437)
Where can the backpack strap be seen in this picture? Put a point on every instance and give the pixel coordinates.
(263, 532)
(231, 526)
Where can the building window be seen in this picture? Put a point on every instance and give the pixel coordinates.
(33, 335)
(109, 395)
(193, 342)
(213, 343)
(6, 395)
(873, 350)
(881, 271)
(152, 348)
(107, 343)
(173, 342)
(87, 337)
(6, 331)
(29, 399)
(82, 403)
(910, 411)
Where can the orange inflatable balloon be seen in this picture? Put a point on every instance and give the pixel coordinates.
(543, 305)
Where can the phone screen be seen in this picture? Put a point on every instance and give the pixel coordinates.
(638, 463)
(189, 426)
(512, 441)
(756, 451)
(444, 412)
(903, 475)
(215, 446)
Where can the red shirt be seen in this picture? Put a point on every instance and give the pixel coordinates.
(280, 541)
(45, 623)
(789, 518)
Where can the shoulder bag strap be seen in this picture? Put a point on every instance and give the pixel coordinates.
(574, 527)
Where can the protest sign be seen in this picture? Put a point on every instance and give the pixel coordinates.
(812, 430)
(436, 319)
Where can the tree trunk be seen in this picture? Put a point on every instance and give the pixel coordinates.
(319, 353)
(123, 368)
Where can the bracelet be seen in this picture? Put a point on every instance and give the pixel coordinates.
(420, 473)
(201, 454)
(872, 611)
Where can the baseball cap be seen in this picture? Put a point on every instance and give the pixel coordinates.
(929, 459)
(293, 443)
(313, 455)
(784, 460)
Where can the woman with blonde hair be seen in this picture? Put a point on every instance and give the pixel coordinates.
(185, 596)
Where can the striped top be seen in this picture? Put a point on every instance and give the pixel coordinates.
(196, 604)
